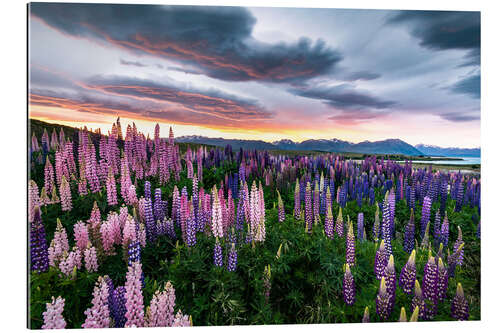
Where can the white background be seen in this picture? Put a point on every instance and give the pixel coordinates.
(13, 161)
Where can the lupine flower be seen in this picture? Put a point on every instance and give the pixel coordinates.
(350, 244)
(437, 228)
(402, 315)
(65, 192)
(111, 188)
(429, 284)
(182, 320)
(217, 253)
(161, 310)
(329, 231)
(52, 317)
(442, 281)
(459, 305)
(383, 301)
(376, 224)
(217, 214)
(232, 259)
(59, 245)
(408, 274)
(133, 295)
(349, 289)
(339, 224)
(425, 239)
(409, 242)
(381, 260)
(49, 176)
(458, 242)
(453, 260)
(390, 280)
(366, 316)
(316, 203)
(308, 215)
(98, 315)
(361, 235)
(414, 315)
(70, 262)
(38, 244)
(81, 235)
(445, 230)
(118, 307)
(386, 225)
(267, 282)
(90, 258)
(281, 209)
(418, 300)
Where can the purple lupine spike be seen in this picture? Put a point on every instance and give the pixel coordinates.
(409, 241)
(381, 260)
(158, 207)
(437, 228)
(296, 209)
(376, 224)
(349, 289)
(339, 224)
(456, 246)
(329, 232)
(445, 230)
(408, 274)
(392, 210)
(191, 230)
(391, 280)
(383, 301)
(459, 305)
(232, 259)
(281, 209)
(316, 203)
(360, 226)
(453, 260)
(308, 214)
(418, 300)
(426, 214)
(442, 281)
(217, 253)
(150, 222)
(429, 290)
(386, 227)
(38, 244)
(147, 189)
(350, 245)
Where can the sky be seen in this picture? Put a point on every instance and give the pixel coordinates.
(259, 73)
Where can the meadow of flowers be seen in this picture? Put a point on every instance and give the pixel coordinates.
(131, 231)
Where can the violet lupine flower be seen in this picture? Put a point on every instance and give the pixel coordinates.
(118, 307)
(65, 192)
(339, 224)
(308, 215)
(409, 242)
(383, 301)
(386, 225)
(329, 231)
(381, 259)
(429, 287)
(425, 239)
(376, 224)
(349, 289)
(111, 189)
(191, 230)
(232, 259)
(281, 209)
(158, 207)
(408, 274)
(366, 316)
(52, 317)
(133, 294)
(453, 260)
(350, 244)
(134, 252)
(98, 315)
(442, 281)
(81, 234)
(459, 305)
(361, 227)
(426, 214)
(437, 228)
(90, 259)
(418, 301)
(316, 203)
(390, 280)
(38, 244)
(391, 199)
(458, 242)
(161, 310)
(147, 189)
(445, 231)
(217, 253)
(150, 222)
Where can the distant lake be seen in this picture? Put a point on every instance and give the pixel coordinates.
(464, 161)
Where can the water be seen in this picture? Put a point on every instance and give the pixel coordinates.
(464, 161)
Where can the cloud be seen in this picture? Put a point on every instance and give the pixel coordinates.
(208, 101)
(361, 75)
(444, 30)
(460, 117)
(217, 40)
(132, 63)
(343, 96)
(470, 85)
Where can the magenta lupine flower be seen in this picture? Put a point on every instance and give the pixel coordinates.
(329, 231)
(418, 301)
(217, 253)
(350, 245)
(129, 232)
(232, 259)
(381, 260)
(49, 175)
(182, 320)
(426, 214)
(408, 274)
(98, 315)
(459, 249)
(296, 209)
(366, 316)
(281, 209)
(459, 305)
(442, 280)
(90, 258)
(133, 295)
(216, 215)
(52, 317)
(81, 234)
(59, 245)
(429, 287)
(70, 262)
(349, 289)
(161, 309)
(383, 301)
(261, 227)
(339, 224)
(65, 193)
(308, 214)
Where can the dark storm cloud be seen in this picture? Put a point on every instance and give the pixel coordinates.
(210, 101)
(132, 63)
(361, 75)
(218, 40)
(445, 30)
(470, 86)
(343, 96)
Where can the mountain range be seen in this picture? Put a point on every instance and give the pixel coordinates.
(430, 150)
